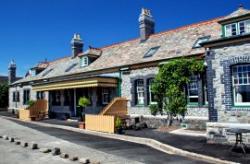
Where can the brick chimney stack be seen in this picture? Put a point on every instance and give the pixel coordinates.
(146, 24)
(76, 45)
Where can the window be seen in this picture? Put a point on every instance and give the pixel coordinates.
(241, 84)
(105, 96)
(200, 40)
(15, 96)
(47, 72)
(56, 98)
(26, 96)
(140, 91)
(40, 95)
(152, 98)
(71, 67)
(151, 52)
(193, 90)
(238, 28)
(84, 61)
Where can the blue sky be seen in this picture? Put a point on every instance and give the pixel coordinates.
(32, 30)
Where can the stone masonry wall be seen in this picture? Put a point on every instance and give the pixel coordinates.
(222, 103)
(144, 110)
(222, 83)
(19, 105)
(127, 85)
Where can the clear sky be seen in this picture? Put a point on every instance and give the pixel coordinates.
(32, 30)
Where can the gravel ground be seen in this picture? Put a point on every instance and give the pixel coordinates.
(13, 154)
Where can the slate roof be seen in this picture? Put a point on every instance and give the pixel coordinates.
(240, 12)
(173, 43)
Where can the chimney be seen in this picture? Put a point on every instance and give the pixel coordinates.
(77, 45)
(12, 72)
(146, 24)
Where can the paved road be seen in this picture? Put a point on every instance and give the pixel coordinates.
(131, 151)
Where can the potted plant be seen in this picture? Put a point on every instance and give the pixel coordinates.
(30, 103)
(83, 103)
(118, 125)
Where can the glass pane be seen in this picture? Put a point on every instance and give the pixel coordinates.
(242, 94)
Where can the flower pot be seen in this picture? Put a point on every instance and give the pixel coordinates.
(119, 131)
(81, 125)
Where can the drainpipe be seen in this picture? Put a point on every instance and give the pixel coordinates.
(119, 84)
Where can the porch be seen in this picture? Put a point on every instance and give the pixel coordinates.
(63, 97)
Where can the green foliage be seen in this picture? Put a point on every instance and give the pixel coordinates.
(153, 109)
(31, 103)
(170, 83)
(83, 102)
(118, 123)
(4, 95)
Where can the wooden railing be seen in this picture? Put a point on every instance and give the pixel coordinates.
(36, 112)
(117, 107)
(100, 123)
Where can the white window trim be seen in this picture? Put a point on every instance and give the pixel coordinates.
(150, 93)
(237, 28)
(235, 85)
(188, 96)
(83, 64)
(140, 89)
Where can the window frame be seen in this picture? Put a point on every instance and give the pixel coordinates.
(26, 96)
(150, 94)
(83, 62)
(139, 92)
(188, 91)
(149, 53)
(105, 92)
(238, 31)
(201, 38)
(234, 96)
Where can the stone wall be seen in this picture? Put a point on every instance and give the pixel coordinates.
(197, 112)
(221, 105)
(222, 59)
(19, 105)
(127, 86)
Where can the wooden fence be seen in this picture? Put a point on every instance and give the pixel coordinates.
(117, 107)
(100, 123)
(36, 112)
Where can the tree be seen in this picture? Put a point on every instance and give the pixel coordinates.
(4, 95)
(170, 83)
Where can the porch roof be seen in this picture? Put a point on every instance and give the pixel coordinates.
(84, 83)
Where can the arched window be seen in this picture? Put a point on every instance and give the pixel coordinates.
(241, 84)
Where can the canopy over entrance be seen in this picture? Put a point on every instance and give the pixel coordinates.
(84, 83)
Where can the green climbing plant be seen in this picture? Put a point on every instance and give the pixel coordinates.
(170, 83)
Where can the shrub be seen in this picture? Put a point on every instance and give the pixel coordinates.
(31, 103)
(118, 123)
(153, 109)
(83, 102)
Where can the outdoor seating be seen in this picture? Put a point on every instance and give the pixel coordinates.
(238, 138)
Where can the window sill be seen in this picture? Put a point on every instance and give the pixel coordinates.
(139, 105)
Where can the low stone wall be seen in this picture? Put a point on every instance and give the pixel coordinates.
(195, 124)
(197, 111)
(217, 132)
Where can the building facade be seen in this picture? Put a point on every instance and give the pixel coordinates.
(127, 69)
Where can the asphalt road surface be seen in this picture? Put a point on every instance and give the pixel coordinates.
(120, 149)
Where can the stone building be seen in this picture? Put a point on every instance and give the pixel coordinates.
(126, 69)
